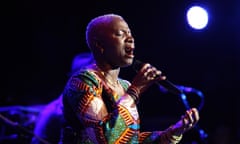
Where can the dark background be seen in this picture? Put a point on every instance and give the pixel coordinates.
(42, 37)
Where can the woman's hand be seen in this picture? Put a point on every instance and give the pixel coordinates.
(146, 77)
(187, 122)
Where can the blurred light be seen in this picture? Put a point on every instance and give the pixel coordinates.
(197, 17)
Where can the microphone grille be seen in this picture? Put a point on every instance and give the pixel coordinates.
(137, 65)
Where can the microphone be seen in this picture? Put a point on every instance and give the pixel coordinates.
(137, 65)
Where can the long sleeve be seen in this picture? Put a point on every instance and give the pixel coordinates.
(84, 108)
(159, 137)
(98, 113)
(100, 116)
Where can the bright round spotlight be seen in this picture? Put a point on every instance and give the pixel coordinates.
(197, 17)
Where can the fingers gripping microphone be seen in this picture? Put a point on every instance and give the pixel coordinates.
(137, 65)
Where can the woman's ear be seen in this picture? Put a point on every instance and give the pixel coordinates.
(99, 46)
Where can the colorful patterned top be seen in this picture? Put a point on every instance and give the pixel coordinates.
(98, 115)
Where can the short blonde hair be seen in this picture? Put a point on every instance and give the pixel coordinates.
(94, 27)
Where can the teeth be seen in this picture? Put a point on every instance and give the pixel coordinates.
(128, 49)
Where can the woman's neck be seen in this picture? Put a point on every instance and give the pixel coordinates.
(110, 77)
(108, 72)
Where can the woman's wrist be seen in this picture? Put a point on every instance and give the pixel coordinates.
(175, 134)
(176, 130)
(134, 92)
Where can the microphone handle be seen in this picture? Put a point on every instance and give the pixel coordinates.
(170, 87)
(137, 65)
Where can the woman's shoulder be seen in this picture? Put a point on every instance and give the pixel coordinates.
(125, 83)
(86, 75)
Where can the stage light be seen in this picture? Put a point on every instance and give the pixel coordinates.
(197, 17)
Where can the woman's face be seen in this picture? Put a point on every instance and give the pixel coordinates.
(117, 43)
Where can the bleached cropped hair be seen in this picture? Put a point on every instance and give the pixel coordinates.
(95, 25)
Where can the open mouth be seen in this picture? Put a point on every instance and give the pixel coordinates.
(129, 52)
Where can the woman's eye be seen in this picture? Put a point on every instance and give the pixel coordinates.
(120, 33)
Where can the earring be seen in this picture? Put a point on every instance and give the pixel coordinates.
(102, 50)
